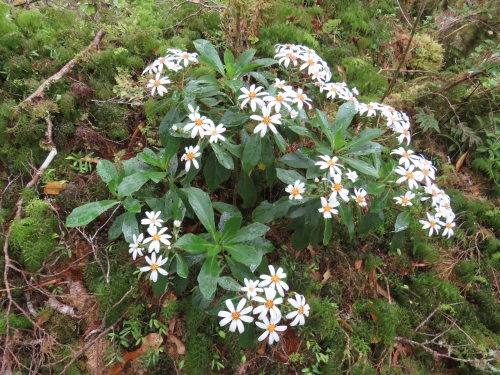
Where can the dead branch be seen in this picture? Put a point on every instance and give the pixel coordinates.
(437, 355)
(194, 14)
(66, 68)
(63, 309)
(460, 80)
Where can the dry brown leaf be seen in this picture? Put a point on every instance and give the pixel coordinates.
(346, 324)
(54, 187)
(358, 264)
(382, 291)
(326, 276)
(181, 349)
(262, 348)
(461, 161)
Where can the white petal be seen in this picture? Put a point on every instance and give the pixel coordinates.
(224, 321)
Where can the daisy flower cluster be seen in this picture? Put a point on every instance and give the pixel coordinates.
(415, 170)
(175, 60)
(158, 236)
(264, 303)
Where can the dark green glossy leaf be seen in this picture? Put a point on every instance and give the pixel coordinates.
(402, 221)
(289, 176)
(190, 242)
(182, 267)
(208, 277)
(116, 228)
(106, 170)
(214, 172)
(228, 283)
(239, 270)
(132, 205)
(246, 189)
(85, 214)
(222, 156)
(243, 253)
(251, 153)
(249, 232)
(209, 55)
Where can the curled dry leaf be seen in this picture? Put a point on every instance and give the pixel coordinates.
(54, 187)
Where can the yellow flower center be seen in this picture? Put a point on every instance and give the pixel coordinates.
(409, 175)
(361, 199)
(185, 55)
(152, 220)
(310, 61)
(275, 278)
(327, 208)
(198, 121)
(157, 83)
(405, 200)
(271, 327)
(235, 315)
(294, 192)
(369, 106)
(425, 171)
(154, 266)
(269, 303)
(162, 60)
(334, 89)
(156, 237)
(266, 120)
(331, 163)
(279, 98)
(406, 155)
(448, 225)
(214, 132)
(301, 309)
(432, 223)
(337, 187)
(190, 156)
(252, 95)
(406, 132)
(301, 97)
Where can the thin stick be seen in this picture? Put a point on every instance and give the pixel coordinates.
(66, 68)
(413, 30)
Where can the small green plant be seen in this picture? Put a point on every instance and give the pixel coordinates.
(81, 163)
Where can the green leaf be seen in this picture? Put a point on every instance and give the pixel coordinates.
(297, 160)
(344, 116)
(202, 207)
(249, 232)
(85, 214)
(362, 138)
(246, 189)
(132, 205)
(267, 152)
(360, 166)
(289, 176)
(160, 286)
(149, 157)
(321, 121)
(301, 130)
(190, 242)
(231, 226)
(251, 153)
(223, 157)
(131, 184)
(234, 85)
(236, 150)
(107, 171)
(243, 253)
(280, 142)
(375, 188)
(228, 57)
(116, 228)
(228, 283)
(245, 59)
(232, 117)
(239, 270)
(268, 212)
(402, 221)
(182, 268)
(346, 218)
(247, 338)
(208, 277)
(328, 232)
(130, 226)
(155, 176)
(367, 148)
(214, 172)
(379, 204)
(209, 55)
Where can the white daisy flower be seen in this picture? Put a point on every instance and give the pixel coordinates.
(196, 126)
(360, 197)
(275, 280)
(285, 57)
(293, 113)
(449, 225)
(155, 267)
(266, 121)
(434, 224)
(268, 305)
(135, 247)
(271, 328)
(351, 175)
(177, 223)
(151, 68)
(410, 175)
(251, 287)
(302, 310)
(405, 200)
(157, 84)
(236, 316)
(407, 156)
(338, 188)
(252, 95)
(156, 238)
(404, 132)
(328, 207)
(186, 57)
(330, 163)
(152, 219)
(214, 132)
(190, 157)
(370, 109)
(280, 99)
(300, 98)
(296, 190)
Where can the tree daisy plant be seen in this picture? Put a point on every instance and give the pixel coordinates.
(235, 128)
